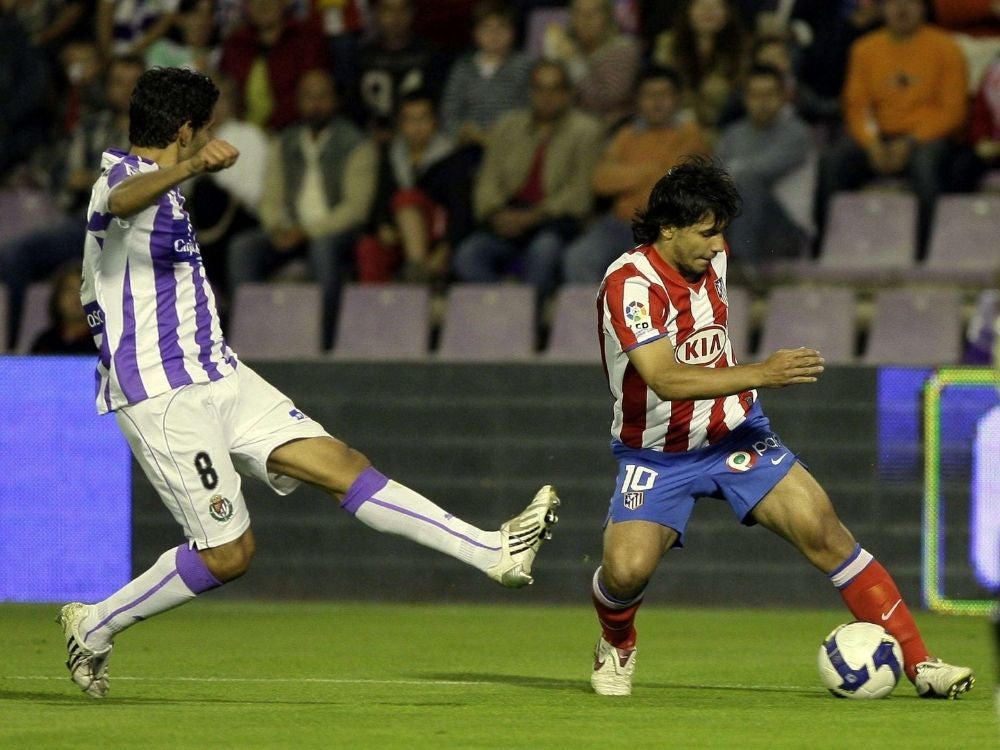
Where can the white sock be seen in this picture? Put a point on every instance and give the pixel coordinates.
(177, 577)
(390, 507)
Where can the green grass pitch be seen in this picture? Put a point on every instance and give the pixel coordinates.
(288, 675)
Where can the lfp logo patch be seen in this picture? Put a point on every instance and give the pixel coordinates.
(741, 461)
(637, 316)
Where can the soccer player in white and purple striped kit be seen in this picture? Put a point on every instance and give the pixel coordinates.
(194, 416)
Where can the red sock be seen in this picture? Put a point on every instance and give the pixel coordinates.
(872, 596)
(617, 625)
(617, 617)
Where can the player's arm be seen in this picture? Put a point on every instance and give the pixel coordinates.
(675, 381)
(140, 191)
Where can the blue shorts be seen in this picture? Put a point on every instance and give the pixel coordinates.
(663, 487)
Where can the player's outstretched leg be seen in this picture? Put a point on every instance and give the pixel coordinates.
(505, 555)
(615, 652)
(88, 667)
(872, 596)
(521, 537)
(176, 577)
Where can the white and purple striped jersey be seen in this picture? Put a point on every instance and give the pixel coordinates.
(149, 305)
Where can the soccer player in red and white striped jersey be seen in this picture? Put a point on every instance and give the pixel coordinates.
(687, 425)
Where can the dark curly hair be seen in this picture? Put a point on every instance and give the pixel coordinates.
(691, 191)
(163, 100)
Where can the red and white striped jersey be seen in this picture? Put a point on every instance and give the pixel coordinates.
(643, 299)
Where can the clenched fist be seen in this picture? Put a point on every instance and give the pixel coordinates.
(214, 156)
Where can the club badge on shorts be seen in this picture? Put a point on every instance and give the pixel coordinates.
(220, 508)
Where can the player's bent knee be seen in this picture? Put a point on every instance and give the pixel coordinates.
(232, 559)
(625, 575)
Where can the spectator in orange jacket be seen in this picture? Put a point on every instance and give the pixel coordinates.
(904, 102)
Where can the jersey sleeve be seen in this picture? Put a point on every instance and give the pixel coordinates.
(637, 314)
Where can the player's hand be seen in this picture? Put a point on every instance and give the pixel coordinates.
(791, 367)
(214, 156)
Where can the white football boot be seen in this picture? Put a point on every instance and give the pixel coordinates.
(935, 679)
(613, 669)
(521, 537)
(87, 668)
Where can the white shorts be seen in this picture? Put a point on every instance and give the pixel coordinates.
(193, 442)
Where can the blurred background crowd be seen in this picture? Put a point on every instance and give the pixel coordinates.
(436, 142)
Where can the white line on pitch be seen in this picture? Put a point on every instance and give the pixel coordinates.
(324, 680)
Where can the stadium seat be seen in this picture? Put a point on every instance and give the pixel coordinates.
(818, 317)
(739, 321)
(962, 245)
(915, 326)
(573, 336)
(4, 317)
(868, 234)
(383, 322)
(34, 315)
(276, 321)
(488, 322)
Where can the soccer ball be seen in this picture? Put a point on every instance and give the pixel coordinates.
(860, 660)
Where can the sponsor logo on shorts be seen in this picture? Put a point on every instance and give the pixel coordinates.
(771, 441)
(633, 500)
(220, 508)
(296, 414)
(741, 461)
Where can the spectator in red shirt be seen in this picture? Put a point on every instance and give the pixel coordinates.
(267, 57)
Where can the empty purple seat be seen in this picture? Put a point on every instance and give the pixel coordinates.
(276, 321)
(869, 233)
(915, 326)
(34, 315)
(383, 322)
(488, 322)
(818, 317)
(963, 241)
(573, 336)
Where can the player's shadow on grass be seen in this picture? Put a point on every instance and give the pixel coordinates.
(583, 684)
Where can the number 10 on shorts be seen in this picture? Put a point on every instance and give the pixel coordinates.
(638, 478)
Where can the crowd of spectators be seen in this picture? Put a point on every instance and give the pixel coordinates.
(431, 141)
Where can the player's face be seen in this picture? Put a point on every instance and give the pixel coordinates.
(657, 102)
(691, 249)
(199, 138)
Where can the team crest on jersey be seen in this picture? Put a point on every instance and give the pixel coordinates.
(741, 461)
(637, 316)
(703, 347)
(720, 289)
(632, 500)
(220, 508)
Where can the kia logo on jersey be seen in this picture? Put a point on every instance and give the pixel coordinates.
(703, 347)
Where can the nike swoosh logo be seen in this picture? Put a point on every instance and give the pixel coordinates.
(887, 615)
(778, 460)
